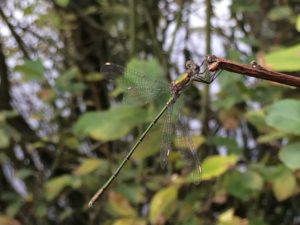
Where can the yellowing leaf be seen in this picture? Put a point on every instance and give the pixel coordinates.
(46, 94)
(93, 76)
(163, 204)
(5, 220)
(214, 166)
(197, 141)
(228, 218)
(54, 186)
(298, 23)
(87, 166)
(284, 186)
(130, 221)
(285, 59)
(119, 205)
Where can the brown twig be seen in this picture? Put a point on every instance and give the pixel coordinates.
(18, 39)
(253, 70)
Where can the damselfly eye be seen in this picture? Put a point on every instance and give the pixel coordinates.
(188, 64)
(210, 58)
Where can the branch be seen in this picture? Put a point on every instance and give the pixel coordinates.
(17, 122)
(254, 70)
(206, 92)
(15, 35)
(4, 83)
(132, 27)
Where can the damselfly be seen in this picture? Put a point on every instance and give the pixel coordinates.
(135, 85)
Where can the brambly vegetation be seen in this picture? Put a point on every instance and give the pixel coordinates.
(63, 130)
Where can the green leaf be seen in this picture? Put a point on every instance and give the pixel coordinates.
(151, 68)
(284, 186)
(280, 12)
(14, 208)
(135, 193)
(87, 166)
(55, 185)
(269, 173)
(6, 114)
(119, 205)
(229, 143)
(24, 173)
(32, 70)
(62, 3)
(11, 132)
(67, 81)
(285, 59)
(243, 185)
(271, 136)
(244, 6)
(285, 116)
(257, 119)
(149, 145)
(111, 124)
(214, 166)
(290, 155)
(4, 139)
(257, 220)
(163, 204)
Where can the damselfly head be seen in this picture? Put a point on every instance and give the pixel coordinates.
(189, 64)
(192, 67)
(210, 58)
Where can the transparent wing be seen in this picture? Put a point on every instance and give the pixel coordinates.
(167, 135)
(137, 88)
(188, 151)
(175, 126)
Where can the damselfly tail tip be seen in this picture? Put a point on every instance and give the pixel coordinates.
(91, 203)
(200, 169)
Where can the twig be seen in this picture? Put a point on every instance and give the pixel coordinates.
(14, 34)
(206, 92)
(253, 70)
(4, 84)
(132, 27)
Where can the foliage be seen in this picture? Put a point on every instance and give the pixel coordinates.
(63, 130)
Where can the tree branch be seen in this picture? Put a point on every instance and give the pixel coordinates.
(17, 122)
(4, 84)
(205, 93)
(254, 70)
(15, 35)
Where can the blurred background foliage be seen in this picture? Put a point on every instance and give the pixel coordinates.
(62, 134)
